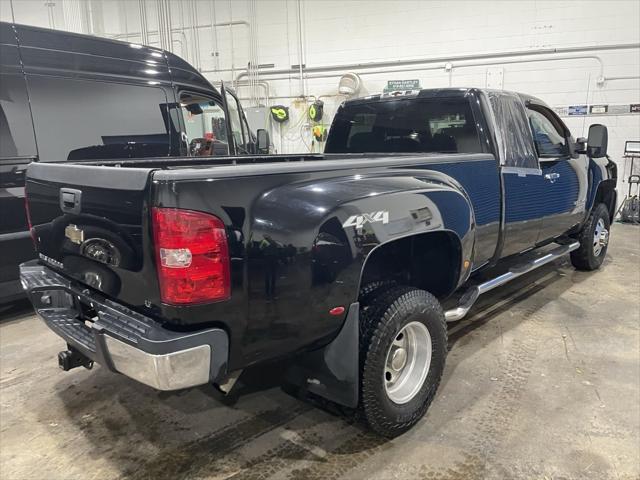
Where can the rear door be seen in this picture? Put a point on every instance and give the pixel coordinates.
(565, 178)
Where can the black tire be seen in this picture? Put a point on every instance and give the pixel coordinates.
(372, 290)
(387, 314)
(585, 258)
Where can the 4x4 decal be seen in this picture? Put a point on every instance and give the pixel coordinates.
(359, 221)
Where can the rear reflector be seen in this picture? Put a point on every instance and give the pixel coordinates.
(192, 256)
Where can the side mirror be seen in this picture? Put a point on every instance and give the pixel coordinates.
(263, 142)
(581, 145)
(597, 141)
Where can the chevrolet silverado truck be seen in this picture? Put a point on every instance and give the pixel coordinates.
(179, 272)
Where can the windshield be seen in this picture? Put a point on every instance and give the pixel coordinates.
(405, 125)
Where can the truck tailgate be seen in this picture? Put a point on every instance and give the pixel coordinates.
(89, 222)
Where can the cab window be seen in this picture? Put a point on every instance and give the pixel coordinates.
(205, 126)
(549, 135)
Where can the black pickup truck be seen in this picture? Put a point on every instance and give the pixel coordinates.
(184, 271)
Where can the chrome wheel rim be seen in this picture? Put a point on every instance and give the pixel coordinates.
(407, 364)
(600, 237)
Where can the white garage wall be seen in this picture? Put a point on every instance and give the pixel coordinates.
(339, 33)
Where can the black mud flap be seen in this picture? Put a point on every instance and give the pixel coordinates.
(333, 371)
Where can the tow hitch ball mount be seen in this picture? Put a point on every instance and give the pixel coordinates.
(72, 358)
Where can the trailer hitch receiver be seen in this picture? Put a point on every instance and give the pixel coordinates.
(72, 358)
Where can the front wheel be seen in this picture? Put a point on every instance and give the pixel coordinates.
(403, 350)
(594, 240)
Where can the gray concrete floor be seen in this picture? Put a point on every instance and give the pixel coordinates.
(542, 381)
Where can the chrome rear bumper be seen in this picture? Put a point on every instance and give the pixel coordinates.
(121, 339)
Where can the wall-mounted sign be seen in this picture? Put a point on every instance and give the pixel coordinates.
(609, 109)
(618, 109)
(561, 111)
(598, 109)
(577, 110)
(395, 85)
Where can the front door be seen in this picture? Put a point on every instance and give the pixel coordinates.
(564, 178)
(521, 175)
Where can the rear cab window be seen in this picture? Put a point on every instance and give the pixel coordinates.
(444, 125)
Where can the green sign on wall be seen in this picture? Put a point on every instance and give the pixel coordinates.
(395, 85)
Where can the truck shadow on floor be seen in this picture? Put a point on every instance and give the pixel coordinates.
(15, 310)
(195, 433)
(547, 284)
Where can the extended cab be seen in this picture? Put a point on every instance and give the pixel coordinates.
(180, 272)
(69, 97)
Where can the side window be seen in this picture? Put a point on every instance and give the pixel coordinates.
(548, 134)
(513, 133)
(205, 126)
(82, 120)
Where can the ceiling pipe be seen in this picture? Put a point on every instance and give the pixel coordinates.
(193, 15)
(300, 48)
(233, 65)
(455, 58)
(214, 33)
(117, 36)
(144, 31)
(467, 63)
(264, 85)
(621, 77)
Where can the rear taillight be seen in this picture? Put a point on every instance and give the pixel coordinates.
(192, 256)
(29, 224)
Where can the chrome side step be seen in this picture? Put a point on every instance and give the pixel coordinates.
(470, 296)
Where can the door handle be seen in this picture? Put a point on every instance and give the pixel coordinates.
(552, 177)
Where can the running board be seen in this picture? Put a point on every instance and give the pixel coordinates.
(470, 296)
